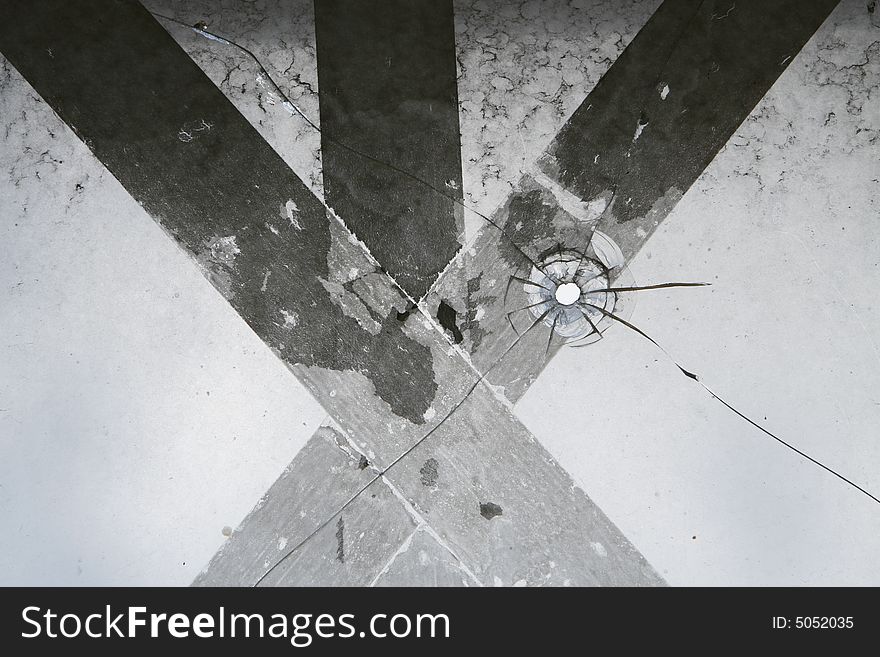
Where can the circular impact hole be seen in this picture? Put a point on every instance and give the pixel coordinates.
(568, 294)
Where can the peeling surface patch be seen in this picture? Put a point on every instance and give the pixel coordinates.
(290, 319)
(224, 249)
(289, 211)
(640, 128)
(190, 131)
(429, 473)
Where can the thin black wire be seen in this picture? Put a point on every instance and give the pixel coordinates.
(694, 377)
(202, 30)
(397, 460)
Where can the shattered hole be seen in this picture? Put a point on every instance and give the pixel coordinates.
(569, 291)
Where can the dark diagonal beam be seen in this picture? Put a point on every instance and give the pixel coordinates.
(671, 101)
(387, 79)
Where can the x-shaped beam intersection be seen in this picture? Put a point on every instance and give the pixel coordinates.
(425, 446)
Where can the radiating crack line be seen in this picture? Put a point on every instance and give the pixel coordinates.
(658, 286)
(531, 305)
(729, 406)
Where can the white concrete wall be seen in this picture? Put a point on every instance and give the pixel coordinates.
(139, 414)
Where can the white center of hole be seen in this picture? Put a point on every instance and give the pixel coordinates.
(568, 293)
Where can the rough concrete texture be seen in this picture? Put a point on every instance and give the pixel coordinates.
(281, 34)
(422, 561)
(321, 472)
(673, 473)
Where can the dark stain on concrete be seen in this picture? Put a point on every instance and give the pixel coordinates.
(402, 315)
(471, 325)
(340, 540)
(127, 89)
(429, 472)
(447, 317)
(489, 510)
